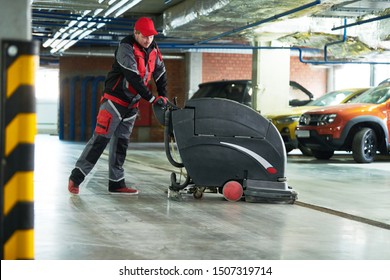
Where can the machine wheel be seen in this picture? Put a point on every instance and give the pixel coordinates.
(232, 191)
(364, 146)
(322, 154)
(198, 194)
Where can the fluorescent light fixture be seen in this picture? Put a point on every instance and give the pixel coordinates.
(126, 7)
(97, 11)
(72, 23)
(65, 38)
(63, 43)
(81, 23)
(115, 7)
(68, 43)
(91, 24)
(75, 34)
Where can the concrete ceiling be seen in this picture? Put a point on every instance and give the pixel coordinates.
(333, 30)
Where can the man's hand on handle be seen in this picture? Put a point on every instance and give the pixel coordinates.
(161, 100)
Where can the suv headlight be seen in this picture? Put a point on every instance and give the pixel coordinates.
(287, 120)
(326, 119)
(316, 120)
(304, 119)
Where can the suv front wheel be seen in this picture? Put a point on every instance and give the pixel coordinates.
(364, 145)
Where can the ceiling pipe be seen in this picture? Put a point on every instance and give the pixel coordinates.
(51, 24)
(300, 51)
(335, 42)
(162, 46)
(97, 19)
(292, 11)
(334, 62)
(104, 53)
(361, 22)
(76, 6)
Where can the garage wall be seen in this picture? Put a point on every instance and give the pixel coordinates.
(226, 66)
(311, 77)
(219, 66)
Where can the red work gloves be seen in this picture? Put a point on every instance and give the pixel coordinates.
(161, 100)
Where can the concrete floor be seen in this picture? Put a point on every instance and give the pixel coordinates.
(342, 212)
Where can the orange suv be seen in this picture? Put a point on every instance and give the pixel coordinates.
(362, 126)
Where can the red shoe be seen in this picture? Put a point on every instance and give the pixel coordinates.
(72, 187)
(124, 190)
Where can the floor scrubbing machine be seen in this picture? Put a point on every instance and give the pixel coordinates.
(225, 147)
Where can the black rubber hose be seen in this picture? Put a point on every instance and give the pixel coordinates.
(175, 185)
(168, 135)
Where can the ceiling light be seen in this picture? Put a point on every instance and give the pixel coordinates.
(126, 7)
(115, 7)
(97, 11)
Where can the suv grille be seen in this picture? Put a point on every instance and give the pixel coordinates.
(312, 120)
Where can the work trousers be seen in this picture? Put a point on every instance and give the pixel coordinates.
(114, 123)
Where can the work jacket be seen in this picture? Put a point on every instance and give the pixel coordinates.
(132, 70)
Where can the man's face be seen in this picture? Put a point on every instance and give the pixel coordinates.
(144, 41)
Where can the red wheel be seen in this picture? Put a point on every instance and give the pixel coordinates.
(232, 191)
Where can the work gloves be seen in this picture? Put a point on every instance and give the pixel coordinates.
(161, 100)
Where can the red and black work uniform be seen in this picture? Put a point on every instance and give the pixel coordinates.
(125, 85)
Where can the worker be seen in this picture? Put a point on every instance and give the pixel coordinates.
(137, 60)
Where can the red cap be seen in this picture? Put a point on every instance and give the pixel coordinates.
(145, 26)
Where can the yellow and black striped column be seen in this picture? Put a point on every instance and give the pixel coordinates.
(18, 128)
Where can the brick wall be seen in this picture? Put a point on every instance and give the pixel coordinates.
(226, 66)
(312, 78)
(239, 66)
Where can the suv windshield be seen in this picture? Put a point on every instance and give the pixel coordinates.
(331, 98)
(376, 95)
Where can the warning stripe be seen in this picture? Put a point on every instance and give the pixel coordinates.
(21, 159)
(12, 192)
(20, 65)
(21, 130)
(18, 219)
(18, 246)
(20, 101)
(18, 151)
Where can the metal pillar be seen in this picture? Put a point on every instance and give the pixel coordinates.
(17, 130)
